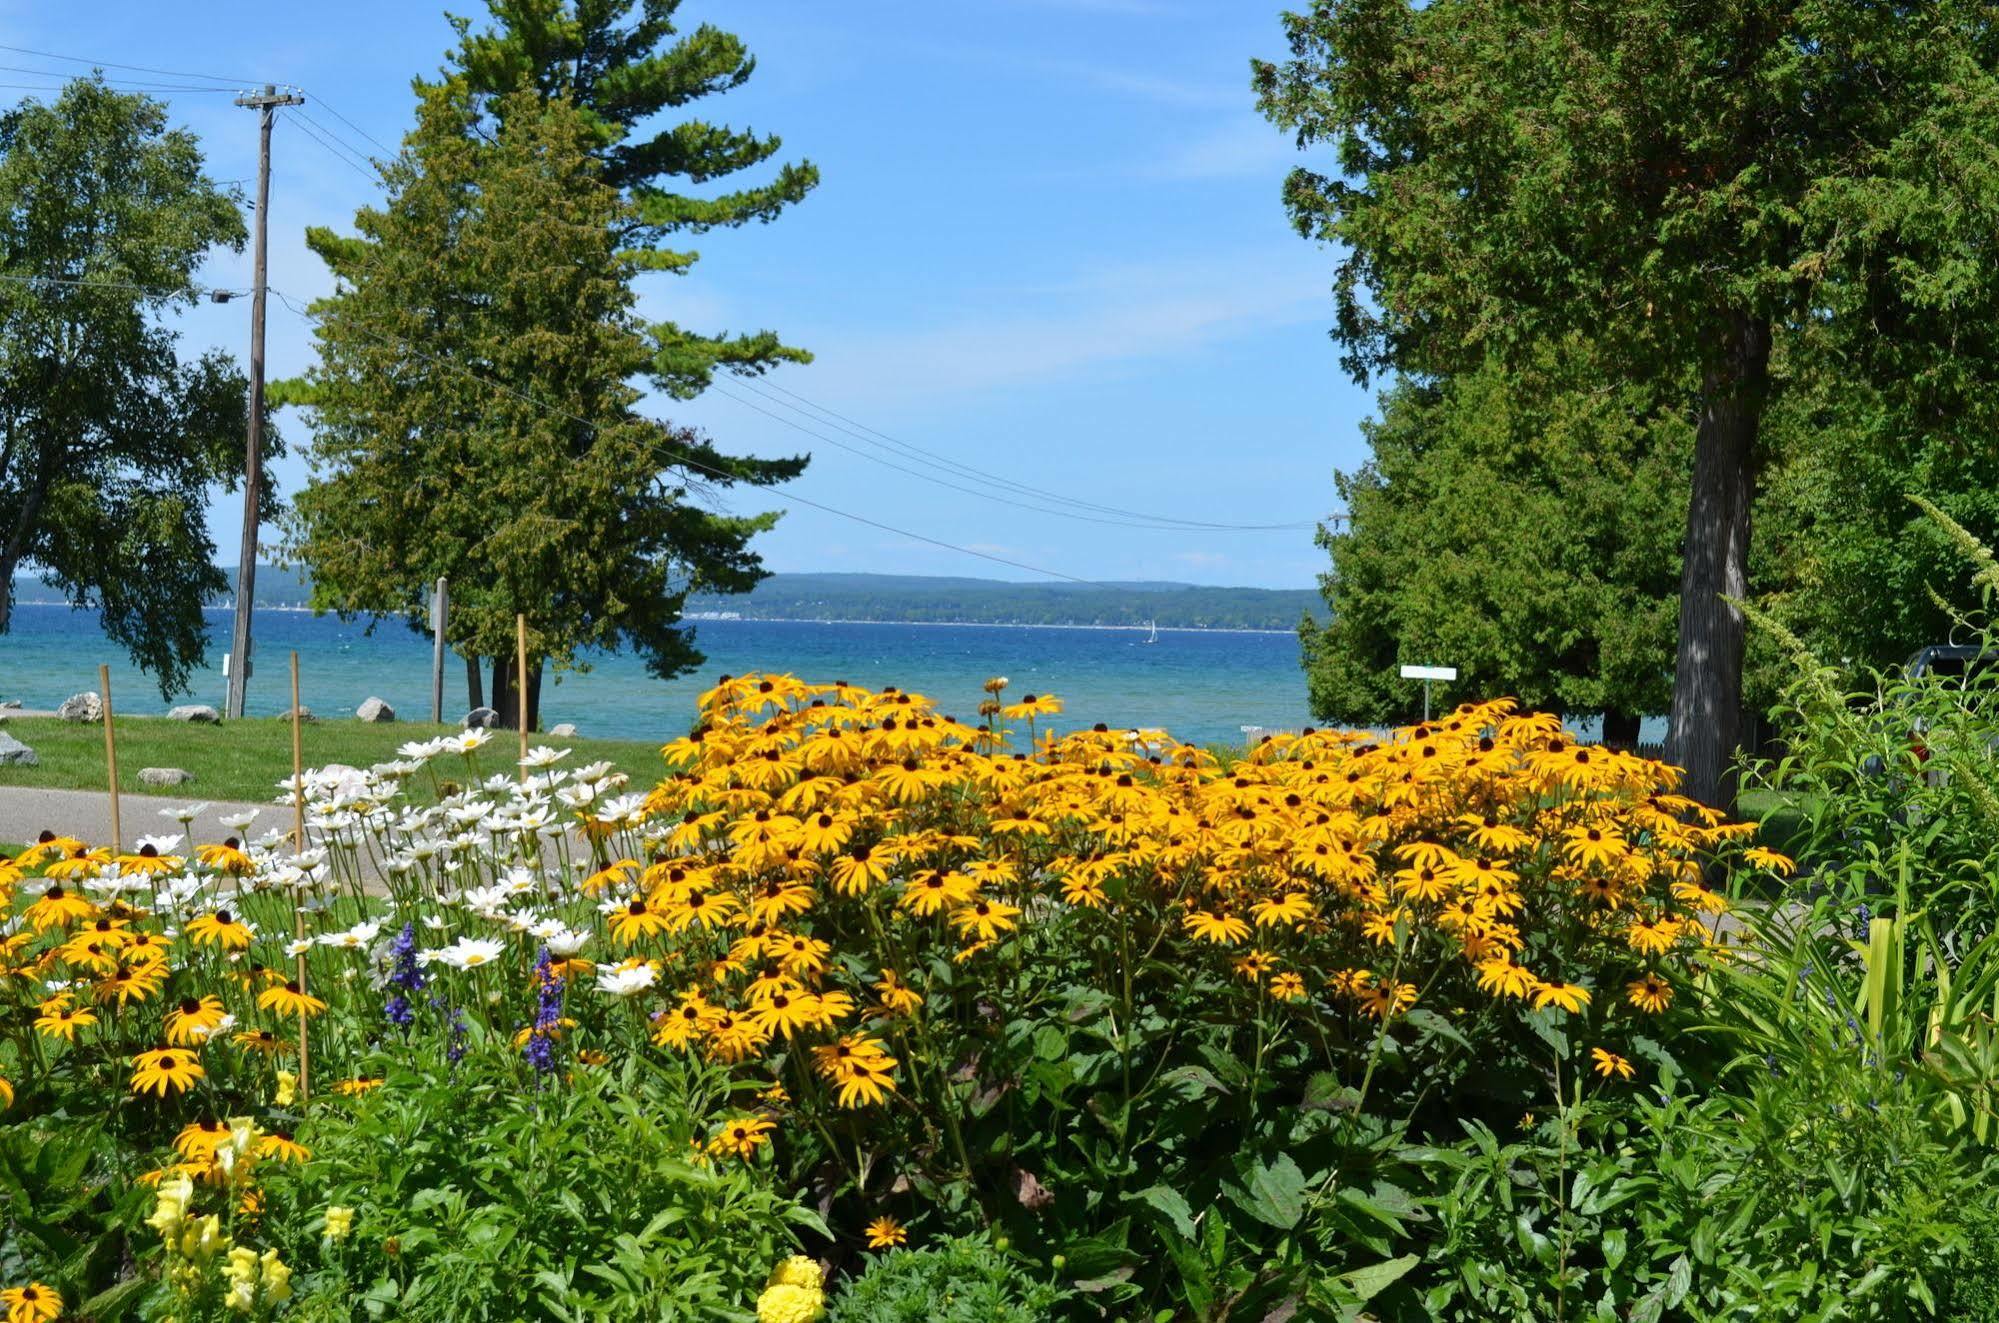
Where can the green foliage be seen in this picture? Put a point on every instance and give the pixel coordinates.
(1897, 778)
(1842, 558)
(477, 1198)
(109, 442)
(474, 416)
(71, 1216)
(622, 62)
(1724, 201)
(1521, 525)
(963, 1280)
(1817, 1195)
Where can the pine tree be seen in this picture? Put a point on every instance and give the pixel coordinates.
(623, 62)
(475, 416)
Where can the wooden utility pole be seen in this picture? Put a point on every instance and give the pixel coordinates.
(266, 103)
(298, 847)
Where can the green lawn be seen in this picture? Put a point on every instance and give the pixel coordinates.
(244, 760)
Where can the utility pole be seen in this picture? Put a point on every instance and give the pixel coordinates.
(266, 103)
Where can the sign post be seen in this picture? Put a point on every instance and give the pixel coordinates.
(1428, 674)
(439, 606)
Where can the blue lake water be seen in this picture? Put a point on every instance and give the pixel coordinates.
(1203, 685)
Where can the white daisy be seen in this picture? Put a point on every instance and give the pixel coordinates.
(627, 982)
(465, 953)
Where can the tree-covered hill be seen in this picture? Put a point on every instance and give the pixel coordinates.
(927, 599)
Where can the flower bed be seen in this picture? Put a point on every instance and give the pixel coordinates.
(853, 971)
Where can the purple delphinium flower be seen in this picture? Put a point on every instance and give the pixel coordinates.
(540, 1048)
(405, 975)
(455, 1048)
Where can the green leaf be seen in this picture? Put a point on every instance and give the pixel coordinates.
(1192, 1081)
(1272, 1193)
(1171, 1204)
(1371, 1281)
(1613, 1244)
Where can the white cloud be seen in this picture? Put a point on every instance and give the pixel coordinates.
(1243, 149)
(1135, 313)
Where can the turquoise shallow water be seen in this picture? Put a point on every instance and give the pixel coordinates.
(1204, 686)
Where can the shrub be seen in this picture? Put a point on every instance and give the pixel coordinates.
(959, 1281)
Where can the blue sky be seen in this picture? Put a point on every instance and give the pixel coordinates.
(1048, 243)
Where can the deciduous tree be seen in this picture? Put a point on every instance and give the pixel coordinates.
(109, 440)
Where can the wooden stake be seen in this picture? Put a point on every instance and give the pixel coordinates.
(521, 650)
(110, 759)
(298, 847)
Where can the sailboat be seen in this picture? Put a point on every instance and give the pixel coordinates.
(1153, 637)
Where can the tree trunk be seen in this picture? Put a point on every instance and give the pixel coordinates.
(475, 691)
(1620, 730)
(506, 695)
(1707, 675)
(504, 701)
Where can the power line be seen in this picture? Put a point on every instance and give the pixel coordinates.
(237, 83)
(366, 172)
(688, 461)
(92, 282)
(863, 431)
(1087, 511)
(121, 86)
(1127, 518)
(328, 107)
(942, 482)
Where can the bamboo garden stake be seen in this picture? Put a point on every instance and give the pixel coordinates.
(298, 847)
(110, 758)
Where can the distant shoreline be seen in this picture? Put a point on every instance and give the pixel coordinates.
(706, 619)
(971, 624)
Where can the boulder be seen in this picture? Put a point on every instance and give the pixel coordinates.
(481, 717)
(304, 714)
(198, 713)
(13, 753)
(86, 706)
(375, 710)
(164, 776)
(11, 703)
(563, 731)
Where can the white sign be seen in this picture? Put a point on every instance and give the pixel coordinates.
(1429, 672)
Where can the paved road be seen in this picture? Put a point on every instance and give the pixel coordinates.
(26, 811)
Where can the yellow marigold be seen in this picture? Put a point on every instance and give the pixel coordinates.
(790, 1304)
(798, 1270)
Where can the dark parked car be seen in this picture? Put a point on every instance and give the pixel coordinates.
(1953, 660)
